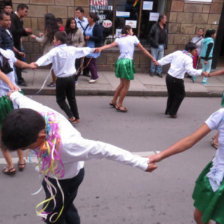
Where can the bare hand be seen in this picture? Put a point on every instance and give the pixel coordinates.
(206, 74)
(97, 50)
(22, 54)
(9, 94)
(155, 158)
(87, 37)
(33, 65)
(151, 167)
(13, 87)
(205, 62)
(156, 63)
(28, 30)
(33, 36)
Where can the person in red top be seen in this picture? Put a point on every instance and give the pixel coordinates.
(60, 24)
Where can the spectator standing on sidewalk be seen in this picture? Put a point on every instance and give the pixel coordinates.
(198, 40)
(60, 24)
(158, 37)
(8, 8)
(93, 35)
(75, 38)
(81, 20)
(46, 39)
(207, 53)
(18, 31)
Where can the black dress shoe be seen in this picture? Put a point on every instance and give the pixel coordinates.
(173, 116)
(22, 83)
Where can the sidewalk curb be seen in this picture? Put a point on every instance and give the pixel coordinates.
(33, 91)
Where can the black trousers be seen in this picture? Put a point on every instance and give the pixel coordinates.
(78, 63)
(19, 70)
(176, 94)
(70, 188)
(65, 88)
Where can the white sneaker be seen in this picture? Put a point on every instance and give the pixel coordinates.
(92, 81)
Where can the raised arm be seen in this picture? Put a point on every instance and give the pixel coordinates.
(114, 44)
(216, 73)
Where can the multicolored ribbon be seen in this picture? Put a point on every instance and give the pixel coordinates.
(188, 53)
(50, 164)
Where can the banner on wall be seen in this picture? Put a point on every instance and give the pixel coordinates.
(99, 2)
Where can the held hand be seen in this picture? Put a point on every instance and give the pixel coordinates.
(28, 30)
(151, 167)
(155, 158)
(33, 65)
(206, 74)
(9, 94)
(97, 50)
(13, 87)
(156, 63)
(32, 36)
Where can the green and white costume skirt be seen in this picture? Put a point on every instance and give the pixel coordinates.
(125, 68)
(5, 107)
(210, 203)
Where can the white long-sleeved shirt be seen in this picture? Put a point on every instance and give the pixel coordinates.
(74, 149)
(63, 59)
(180, 63)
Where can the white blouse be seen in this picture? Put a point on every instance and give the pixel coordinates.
(216, 173)
(127, 45)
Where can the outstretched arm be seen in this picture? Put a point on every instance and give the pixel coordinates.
(114, 44)
(182, 145)
(22, 64)
(147, 53)
(216, 73)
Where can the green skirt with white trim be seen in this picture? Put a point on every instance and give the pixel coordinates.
(125, 69)
(209, 203)
(5, 107)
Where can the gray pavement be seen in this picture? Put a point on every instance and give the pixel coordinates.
(143, 85)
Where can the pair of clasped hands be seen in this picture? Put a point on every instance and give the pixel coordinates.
(152, 162)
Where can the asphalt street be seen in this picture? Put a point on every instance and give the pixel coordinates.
(113, 193)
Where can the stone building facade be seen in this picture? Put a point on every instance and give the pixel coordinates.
(184, 18)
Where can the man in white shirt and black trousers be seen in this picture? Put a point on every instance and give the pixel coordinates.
(62, 58)
(30, 127)
(180, 63)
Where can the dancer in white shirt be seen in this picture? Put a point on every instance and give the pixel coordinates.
(62, 58)
(208, 194)
(181, 62)
(125, 68)
(61, 151)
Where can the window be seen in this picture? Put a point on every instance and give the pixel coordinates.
(114, 14)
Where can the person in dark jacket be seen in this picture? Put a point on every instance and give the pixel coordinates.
(6, 39)
(18, 31)
(158, 37)
(93, 35)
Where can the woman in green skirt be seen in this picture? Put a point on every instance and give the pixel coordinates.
(7, 83)
(125, 67)
(208, 194)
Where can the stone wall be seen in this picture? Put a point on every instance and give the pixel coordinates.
(186, 18)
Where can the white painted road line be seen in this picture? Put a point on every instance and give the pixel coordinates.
(33, 159)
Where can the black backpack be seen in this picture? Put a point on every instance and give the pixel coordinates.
(4, 65)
